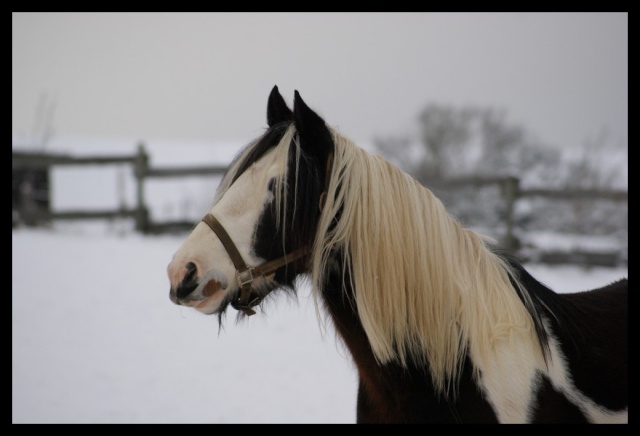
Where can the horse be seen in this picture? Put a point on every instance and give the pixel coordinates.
(442, 326)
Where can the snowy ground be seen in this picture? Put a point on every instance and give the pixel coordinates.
(95, 339)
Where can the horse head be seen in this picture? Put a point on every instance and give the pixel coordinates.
(257, 235)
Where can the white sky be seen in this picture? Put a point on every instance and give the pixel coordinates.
(206, 76)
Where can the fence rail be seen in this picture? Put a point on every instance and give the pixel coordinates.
(185, 171)
(29, 214)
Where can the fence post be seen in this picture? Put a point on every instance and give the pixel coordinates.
(510, 192)
(140, 170)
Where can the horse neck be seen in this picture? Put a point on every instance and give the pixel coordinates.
(337, 296)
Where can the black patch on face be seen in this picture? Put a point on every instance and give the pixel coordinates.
(304, 188)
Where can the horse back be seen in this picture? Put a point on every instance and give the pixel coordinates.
(594, 340)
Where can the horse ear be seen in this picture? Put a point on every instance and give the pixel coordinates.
(277, 109)
(315, 137)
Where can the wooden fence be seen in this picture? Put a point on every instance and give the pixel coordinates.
(27, 211)
(511, 192)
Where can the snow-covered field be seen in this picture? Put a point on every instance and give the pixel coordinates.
(95, 339)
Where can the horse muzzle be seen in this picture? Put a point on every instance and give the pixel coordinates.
(193, 291)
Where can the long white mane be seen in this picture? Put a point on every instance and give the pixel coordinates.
(425, 287)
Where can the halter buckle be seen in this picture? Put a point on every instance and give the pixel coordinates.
(245, 277)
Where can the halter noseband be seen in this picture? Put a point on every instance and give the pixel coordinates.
(247, 274)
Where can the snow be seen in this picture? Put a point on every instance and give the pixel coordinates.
(95, 338)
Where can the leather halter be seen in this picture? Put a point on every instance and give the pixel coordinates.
(247, 274)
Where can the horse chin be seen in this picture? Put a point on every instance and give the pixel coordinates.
(210, 305)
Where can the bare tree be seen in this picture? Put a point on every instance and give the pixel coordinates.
(444, 133)
(473, 141)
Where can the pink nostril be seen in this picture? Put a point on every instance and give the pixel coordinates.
(211, 287)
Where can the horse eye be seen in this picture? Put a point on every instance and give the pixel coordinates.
(272, 184)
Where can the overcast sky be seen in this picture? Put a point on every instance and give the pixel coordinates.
(207, 76)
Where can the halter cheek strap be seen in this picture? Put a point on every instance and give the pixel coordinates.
(247, 274)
